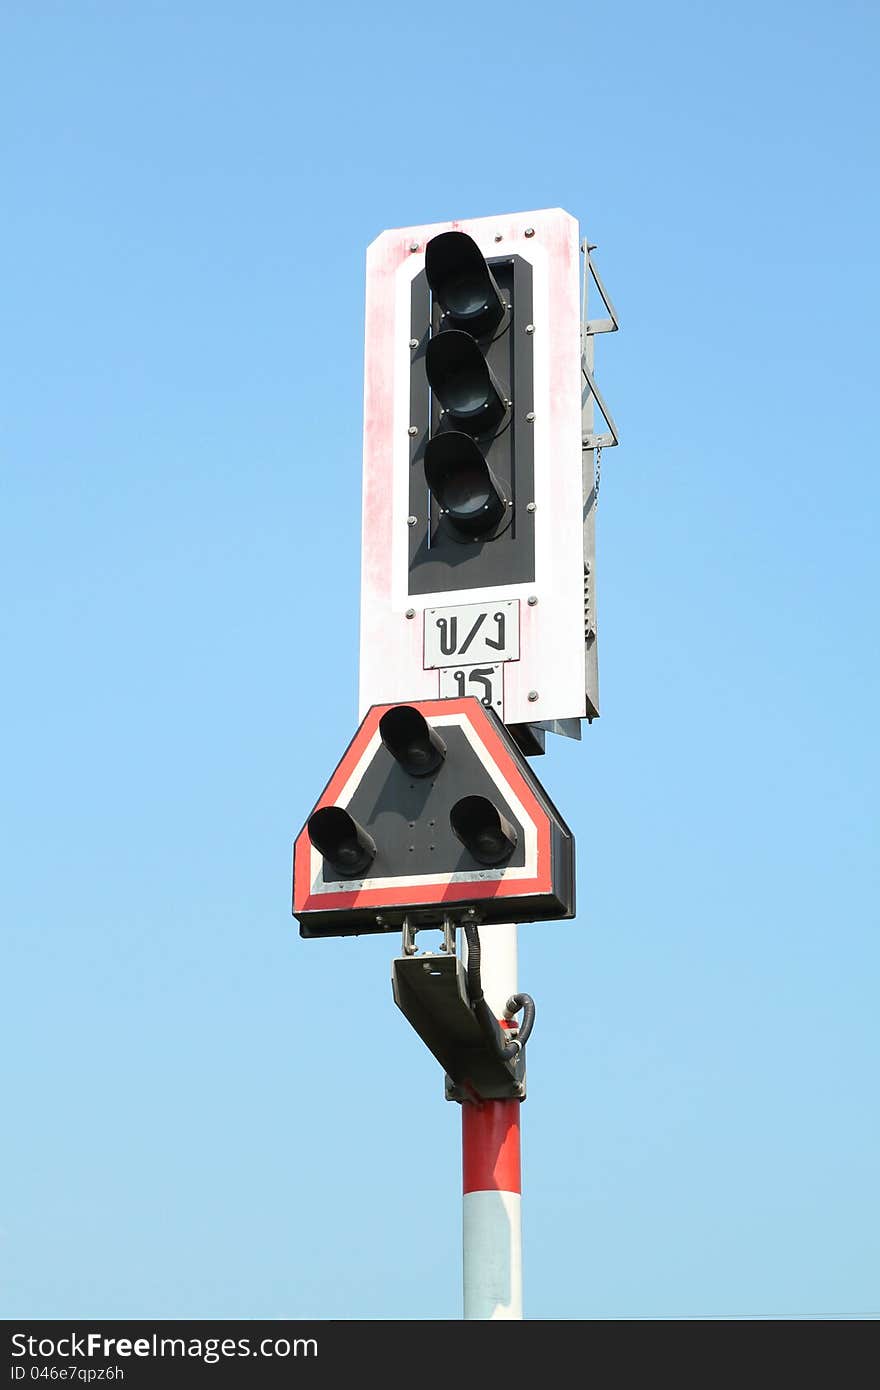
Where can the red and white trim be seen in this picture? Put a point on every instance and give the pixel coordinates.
(491, 1170)
(312, 894)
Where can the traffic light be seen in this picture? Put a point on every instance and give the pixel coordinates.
(344, 844)
(463, 284)
(472, 501)
(483, 830)
(433, 812)
(471, 408)
(411, 741)
(474, 488)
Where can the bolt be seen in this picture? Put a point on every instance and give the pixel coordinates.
(413, 429)
(411, 520)
(413, 342)
(380, 920)
(531, 507)
(533, 599)
(533, 695)
(498, 236)
(530, 231)
(530, 328)
(530, 416)
(410, 612)
(414, 246)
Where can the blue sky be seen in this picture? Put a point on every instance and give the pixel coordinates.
(205, 1115)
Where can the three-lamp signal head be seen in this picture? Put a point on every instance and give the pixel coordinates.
(472, 501)
(475, 820)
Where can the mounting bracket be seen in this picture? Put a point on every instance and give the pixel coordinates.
(431, 992)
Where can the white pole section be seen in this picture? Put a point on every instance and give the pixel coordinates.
(492, 1187)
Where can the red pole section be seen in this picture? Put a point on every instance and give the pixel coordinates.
(490, 1147)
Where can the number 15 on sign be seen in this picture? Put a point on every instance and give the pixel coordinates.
(486, 682)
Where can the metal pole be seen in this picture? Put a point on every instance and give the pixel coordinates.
(492, 1187)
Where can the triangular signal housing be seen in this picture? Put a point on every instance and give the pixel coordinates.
(422, 870)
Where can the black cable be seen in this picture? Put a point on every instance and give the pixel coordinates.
(475, 984)
(527, 1004)
(489, 1024)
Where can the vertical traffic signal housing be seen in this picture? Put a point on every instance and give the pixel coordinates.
(473, 576)
(472, 473)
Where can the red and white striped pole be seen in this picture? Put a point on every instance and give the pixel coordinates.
(492, 1186)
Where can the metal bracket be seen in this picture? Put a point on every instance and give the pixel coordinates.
(431, 992)
(408, 945)
(589, 328)
(591, 440)
(447, 926)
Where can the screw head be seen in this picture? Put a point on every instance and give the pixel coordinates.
(530, 231)
(532, 507)
(498, 236)
(533, 695)
(411, 520)
(410, 612)
(380, 920)
(533, 599)
(412, 430)
(413, 342)
(530, 328)
(530, 416)
(414, 246)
